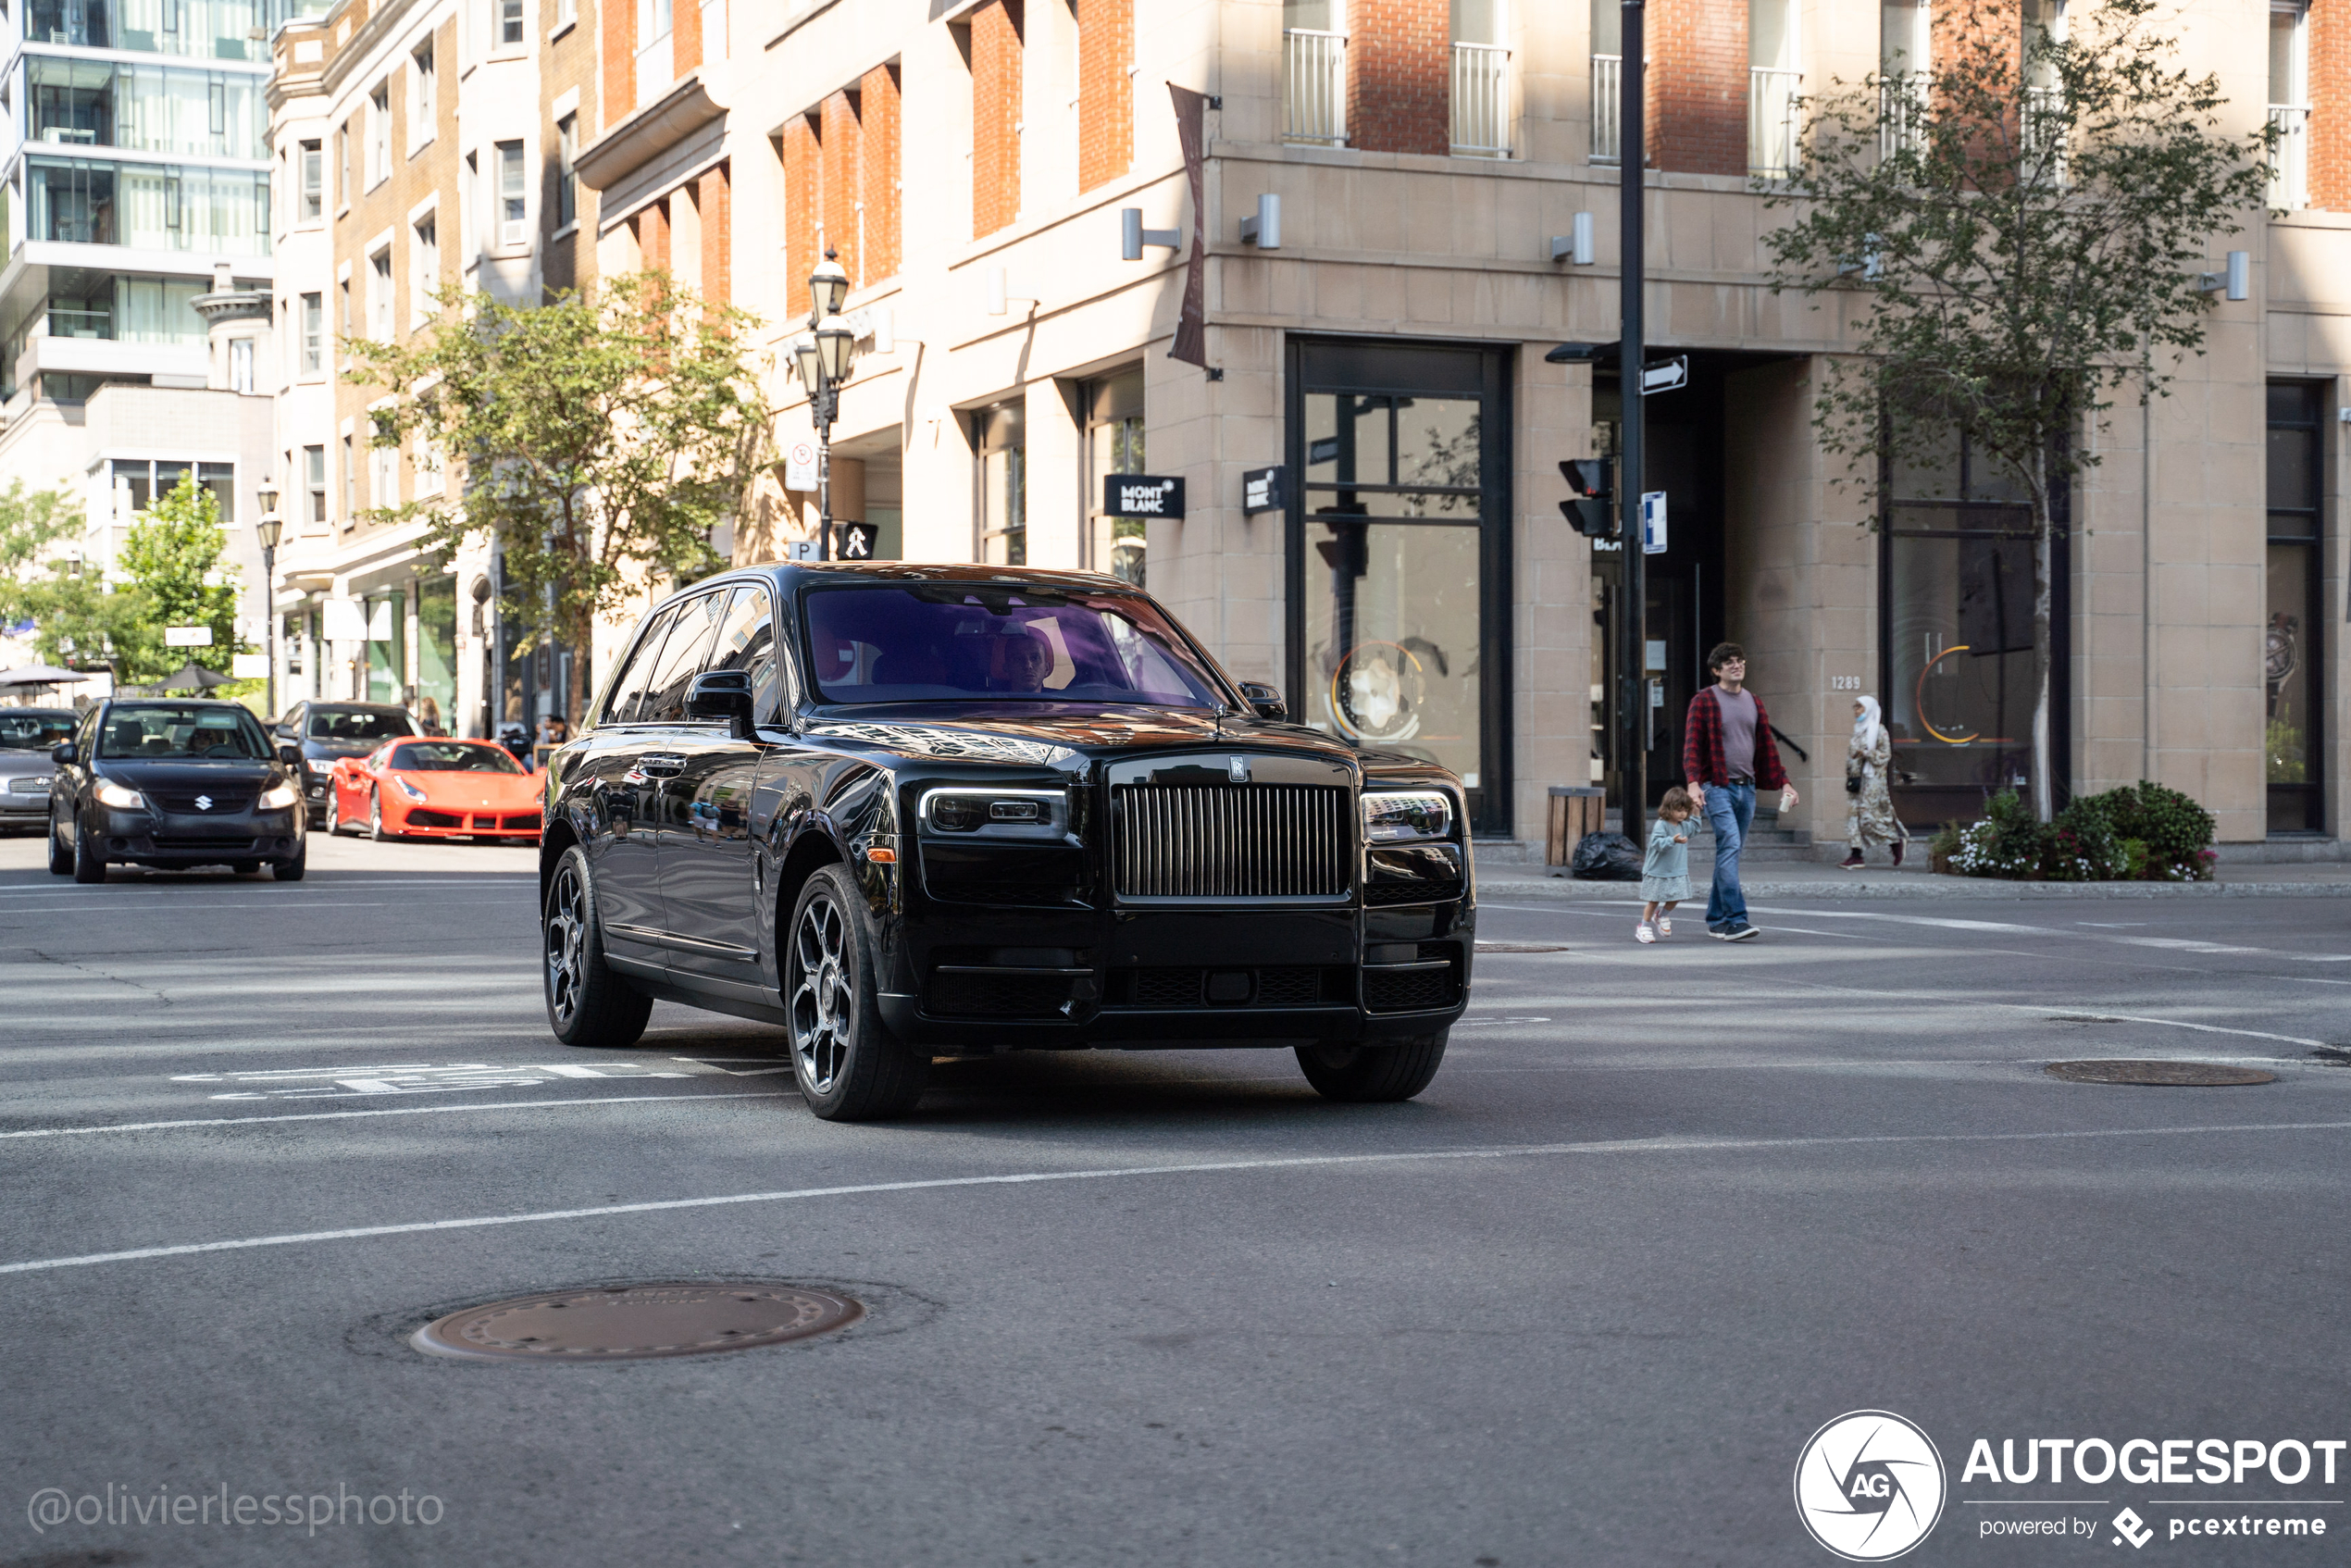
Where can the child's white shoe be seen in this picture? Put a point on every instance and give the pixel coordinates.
(1641, 933)
(1665, 926)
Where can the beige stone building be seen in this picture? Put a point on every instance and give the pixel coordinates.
(1380, 235)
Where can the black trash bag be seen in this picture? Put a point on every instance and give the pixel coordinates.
(1605, 857)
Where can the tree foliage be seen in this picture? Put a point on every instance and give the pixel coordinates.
(596, 438)
(169, 567)
(2015, 231)
(31, 521)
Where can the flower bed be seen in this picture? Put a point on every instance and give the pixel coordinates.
(2142, 832)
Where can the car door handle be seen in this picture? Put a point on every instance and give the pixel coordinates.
(656, 764)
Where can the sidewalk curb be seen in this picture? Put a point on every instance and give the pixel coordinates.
(1566, 889)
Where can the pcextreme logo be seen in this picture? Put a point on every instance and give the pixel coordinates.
(1870, 1486)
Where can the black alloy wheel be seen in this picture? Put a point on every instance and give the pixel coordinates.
(334, 810)
(850, 1067)
(589, 1004)
(1365, 1075)
(89, 866)
(60, 850)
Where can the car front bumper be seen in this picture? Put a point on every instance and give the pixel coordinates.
(167, 839)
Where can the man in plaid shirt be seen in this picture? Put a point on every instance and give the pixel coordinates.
(1726, 753)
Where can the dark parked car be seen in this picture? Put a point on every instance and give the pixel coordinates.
(167, 782)
(326, 731)
(27, 735)
(916, 811)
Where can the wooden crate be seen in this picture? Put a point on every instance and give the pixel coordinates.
(1575, 811)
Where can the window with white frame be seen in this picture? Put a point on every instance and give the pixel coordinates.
(1774, 77)
(1314, 71)
(513, 198)
(2289, 103)
(314, 480)
(241, 365)
(342, 162)
(379, 295)
(509, 23)
(423, 115)
(312, 205)
(428, 466)
(379, 135)
(567, 177)
(566, 13)
(313, 332)
(1481, 84)
(424, 267)
(350, 481)
(384, 475)
(1906, 32)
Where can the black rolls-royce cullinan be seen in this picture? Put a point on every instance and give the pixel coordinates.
(911, 810)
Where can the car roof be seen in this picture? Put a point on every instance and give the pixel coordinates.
(174, 702)
(789, 574)
(38, 712)
(357, 707)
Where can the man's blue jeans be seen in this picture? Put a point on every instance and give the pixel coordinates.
(1730, 809)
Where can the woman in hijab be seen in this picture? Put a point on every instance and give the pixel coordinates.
(1868, 812)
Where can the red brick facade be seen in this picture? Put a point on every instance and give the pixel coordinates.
(2330, 89)
(1399, 76)
(996, 57)
(878, 125)
(619, 33)
(804, 209)
(652, 227)
(837, 177)
(1695, 89)
(685, 36)
(714, 203)
(1105, 92)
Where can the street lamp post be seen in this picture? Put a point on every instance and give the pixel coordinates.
(1632, 616)
(266, 532)
(823, 359)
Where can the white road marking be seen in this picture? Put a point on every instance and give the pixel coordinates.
(342, 1083)
(1030, 1178)
(389, 1111)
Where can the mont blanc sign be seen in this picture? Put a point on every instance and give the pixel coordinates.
(1142, 495)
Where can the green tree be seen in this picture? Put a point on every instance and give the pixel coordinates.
(170, 561)
(31, 521)
(596, 438)
(2014, 232)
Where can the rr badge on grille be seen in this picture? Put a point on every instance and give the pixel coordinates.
(1237, 769)
(204, 803)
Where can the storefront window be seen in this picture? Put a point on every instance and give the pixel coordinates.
(436, 654)
(387, 647)
(1401, 539)
(2294, 757)
(1958, 624)
(1114, 445)
(1002, 441)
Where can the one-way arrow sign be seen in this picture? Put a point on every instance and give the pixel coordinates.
(1666, 375)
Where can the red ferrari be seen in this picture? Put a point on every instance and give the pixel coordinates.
(435, 789)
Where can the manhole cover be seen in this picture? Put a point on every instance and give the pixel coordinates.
(1522, 947)
(2170, 1074)
(632, 1321)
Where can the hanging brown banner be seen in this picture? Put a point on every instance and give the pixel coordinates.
(1191, 321)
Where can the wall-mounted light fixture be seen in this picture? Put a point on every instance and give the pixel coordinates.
(1133, 236)
(1575, 247)
(1264, 227)
(2236, 278)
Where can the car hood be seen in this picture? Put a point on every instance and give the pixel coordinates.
(474, 789)
(1091, 728)
(182, 776)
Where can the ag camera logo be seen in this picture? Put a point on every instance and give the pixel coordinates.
(1870, 1486)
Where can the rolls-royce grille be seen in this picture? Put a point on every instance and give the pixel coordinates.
(1242, 841)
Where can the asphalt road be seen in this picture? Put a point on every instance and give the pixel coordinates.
(1665, 1212)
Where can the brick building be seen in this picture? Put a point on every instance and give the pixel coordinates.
(1382, 342)
(443, 135)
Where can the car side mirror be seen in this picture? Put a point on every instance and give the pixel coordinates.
(290, 756)
(61, 753)
(1263, 700)
(722, 693)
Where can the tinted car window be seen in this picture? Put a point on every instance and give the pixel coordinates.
(628, 688)
(452, 757)
(145, 732)
(359, 723)
(34, 729)
(681, 659)
(747, 642)
(896, 643)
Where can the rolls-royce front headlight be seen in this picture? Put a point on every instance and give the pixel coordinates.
(1403, 817)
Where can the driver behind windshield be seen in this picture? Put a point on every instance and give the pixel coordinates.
(146, 734)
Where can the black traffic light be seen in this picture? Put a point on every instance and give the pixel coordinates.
(1594, 481)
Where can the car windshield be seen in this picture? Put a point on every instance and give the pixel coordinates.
(359, 723)
(147, 732)
(915, 642)
(34, 731)
(451, 757)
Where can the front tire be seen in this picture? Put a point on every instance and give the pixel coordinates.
(587, 1002)
(60, 851)
(334, 809)
(850, 1067)
(88, 865)
(375, 816)
(292, 870)
(1365, 1075)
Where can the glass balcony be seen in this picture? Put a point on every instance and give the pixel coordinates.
(146, 108)
(1315, 86)
(1481, 101)
(1608, 108)
(212, 30)
(147, 206)
(119, 308)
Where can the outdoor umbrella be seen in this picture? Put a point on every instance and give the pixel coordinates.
(40, 675)
(192, 677)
